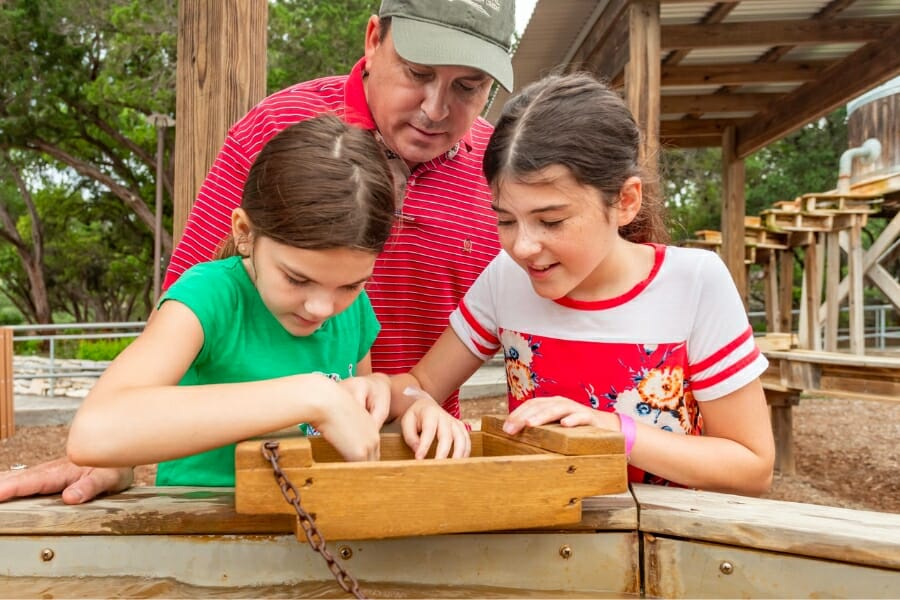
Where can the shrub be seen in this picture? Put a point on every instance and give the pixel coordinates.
(101, 349)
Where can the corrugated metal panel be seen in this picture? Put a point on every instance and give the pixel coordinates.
(683, 14)
(769, 88)
(775, 10)
(713, 56)
(821, 52)
(872, 9)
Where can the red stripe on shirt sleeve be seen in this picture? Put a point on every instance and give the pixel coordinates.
(474, 324)
(722, 352)
(739, 365)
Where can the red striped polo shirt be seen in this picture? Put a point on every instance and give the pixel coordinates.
(447, 236)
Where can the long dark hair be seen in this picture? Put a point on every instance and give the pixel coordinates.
(320, 184)
(577, 122)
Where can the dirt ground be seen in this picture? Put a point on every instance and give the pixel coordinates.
(846, 450)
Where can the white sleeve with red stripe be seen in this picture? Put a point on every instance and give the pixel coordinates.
(475, 319)
(723, 354)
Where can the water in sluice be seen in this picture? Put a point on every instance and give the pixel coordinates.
(139, 587)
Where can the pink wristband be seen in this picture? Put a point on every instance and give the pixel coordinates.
(629, 430)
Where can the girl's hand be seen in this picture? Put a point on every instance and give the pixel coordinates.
(372, 392)
(540, 411)
(424, 420)
(347, 426)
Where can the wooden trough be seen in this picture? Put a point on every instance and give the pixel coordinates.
(537, 478)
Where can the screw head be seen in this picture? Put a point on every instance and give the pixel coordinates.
(726, 567)
(565, 551)
(345, 552)
(47, 554)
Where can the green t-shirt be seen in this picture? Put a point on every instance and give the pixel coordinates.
(242, 341)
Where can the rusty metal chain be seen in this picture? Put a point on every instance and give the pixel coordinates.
(313, 535)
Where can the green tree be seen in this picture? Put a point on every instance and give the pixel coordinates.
(311, 38)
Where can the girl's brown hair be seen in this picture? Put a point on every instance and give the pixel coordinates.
(320, 184)
(577, 122)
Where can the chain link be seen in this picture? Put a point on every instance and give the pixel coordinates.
(313, 535)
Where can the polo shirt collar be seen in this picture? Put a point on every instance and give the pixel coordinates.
(356, 107)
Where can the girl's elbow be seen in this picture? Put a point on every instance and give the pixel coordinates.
(760, 480)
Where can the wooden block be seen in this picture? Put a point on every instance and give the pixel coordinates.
(563, 440)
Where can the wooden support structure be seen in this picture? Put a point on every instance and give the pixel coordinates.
(7, 396)
(221, 74)
(656, 541)
(733, 210)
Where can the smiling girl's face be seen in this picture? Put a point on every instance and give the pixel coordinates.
(560, 232)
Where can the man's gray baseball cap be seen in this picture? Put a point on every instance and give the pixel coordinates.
(468, 33)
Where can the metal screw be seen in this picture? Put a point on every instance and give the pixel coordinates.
(47, 554)
(726, 567)
(565, 551)
(345, 552)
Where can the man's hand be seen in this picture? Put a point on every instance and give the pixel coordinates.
(77, 484)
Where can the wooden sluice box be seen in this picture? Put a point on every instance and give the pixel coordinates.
(537, 478)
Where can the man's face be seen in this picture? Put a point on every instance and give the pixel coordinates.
(421, 111)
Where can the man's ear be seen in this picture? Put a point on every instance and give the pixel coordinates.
(373, 39)
(242, 231)
(630, 198)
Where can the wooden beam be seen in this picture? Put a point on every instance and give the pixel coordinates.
(743, 73)
(696, 103)
(734, 206)
(608, 24)
(699, 141)
(610, 60)
(775, 33)
(642, 82)
(860, 71)
(696, 127)
(221, 74)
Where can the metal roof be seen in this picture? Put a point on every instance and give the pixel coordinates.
(765, 66)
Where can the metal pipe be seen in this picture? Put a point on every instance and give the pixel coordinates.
(867, 153)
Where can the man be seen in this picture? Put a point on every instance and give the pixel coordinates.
(424, 79)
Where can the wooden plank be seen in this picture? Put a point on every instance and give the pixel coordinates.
(678, 568)
(7, 396)
(742, 73)
(563, 440)
(698, 103)
(781, 404)
(889, 363)
(494, 445)
(200, 511)
(850, 536)
(138, 511)
(775, 33)
(545, 489)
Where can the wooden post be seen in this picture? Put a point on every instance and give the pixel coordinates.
(734, 206)
(832, 280)
(642, 83)
(221, 74)
(781, 404)
(809, 309)
(855, 275)
(773, 308)
(7, 398)
(786, 289)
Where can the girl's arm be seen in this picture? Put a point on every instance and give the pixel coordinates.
(443, 369)
(736, 452)
(138, 414)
